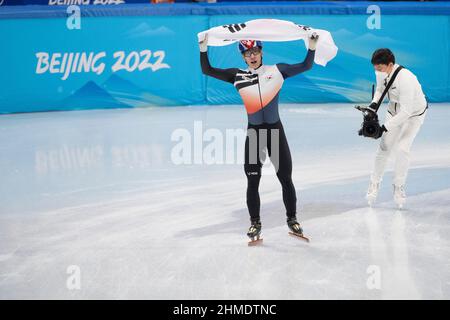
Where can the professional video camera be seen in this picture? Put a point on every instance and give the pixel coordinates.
(371, 125)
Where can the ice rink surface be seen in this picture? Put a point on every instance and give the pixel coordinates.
(93, 205)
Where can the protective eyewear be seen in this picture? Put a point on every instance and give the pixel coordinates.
(251, 51)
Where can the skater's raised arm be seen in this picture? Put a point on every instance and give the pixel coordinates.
(290, 70)
(227, 75)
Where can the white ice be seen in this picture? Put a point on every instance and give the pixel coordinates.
(93, 206)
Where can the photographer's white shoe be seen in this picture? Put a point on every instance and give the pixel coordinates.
(372, 192)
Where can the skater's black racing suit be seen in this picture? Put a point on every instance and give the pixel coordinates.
(259, 89)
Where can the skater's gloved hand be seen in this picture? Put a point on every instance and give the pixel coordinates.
(203, 44)
(380, 132)
(313, 41)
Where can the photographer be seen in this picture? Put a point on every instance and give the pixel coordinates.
(404, 117)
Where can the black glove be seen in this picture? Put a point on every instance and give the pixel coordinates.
(380, 132)
(372, 106)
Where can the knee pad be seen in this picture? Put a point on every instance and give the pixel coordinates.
(253, 175)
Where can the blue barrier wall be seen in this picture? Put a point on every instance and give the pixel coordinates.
(136, 55)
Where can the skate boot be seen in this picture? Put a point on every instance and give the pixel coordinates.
(372, 192)
(399, 195)
(254, 233)
(295, 228)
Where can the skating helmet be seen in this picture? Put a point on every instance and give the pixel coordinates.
(245, 45)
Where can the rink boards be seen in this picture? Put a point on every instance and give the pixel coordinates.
(137, 55)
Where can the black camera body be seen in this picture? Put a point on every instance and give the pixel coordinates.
(371, 125)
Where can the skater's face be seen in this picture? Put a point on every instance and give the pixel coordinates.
(386, 68)
(253, 57)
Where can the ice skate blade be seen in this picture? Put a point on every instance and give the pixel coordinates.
(296, 235)
(256, 242)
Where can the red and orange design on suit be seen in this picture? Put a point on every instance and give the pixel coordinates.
(258, 87)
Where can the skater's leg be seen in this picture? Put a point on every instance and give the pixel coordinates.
(407, 136)
(252, 168)
(253, 201)
(281, 159)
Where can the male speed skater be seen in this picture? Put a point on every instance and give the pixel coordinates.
(259, 86)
